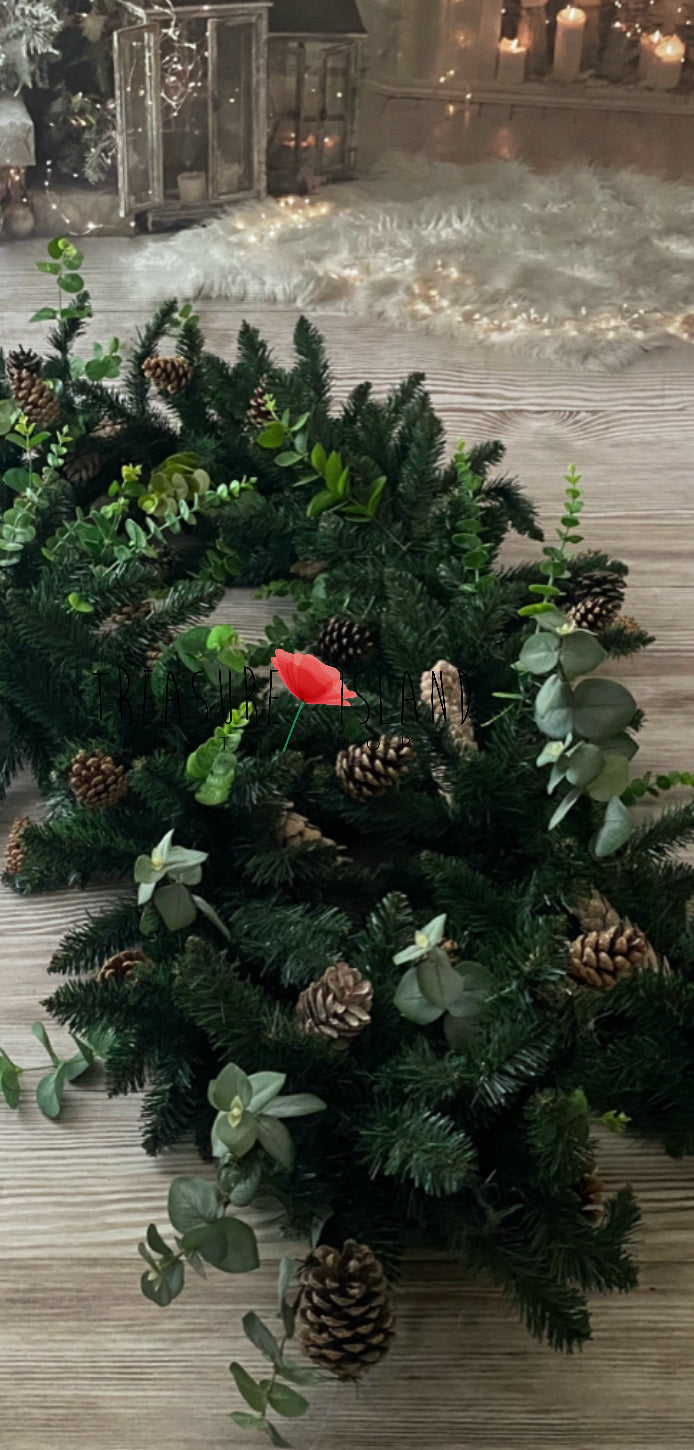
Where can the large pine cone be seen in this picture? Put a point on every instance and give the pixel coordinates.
(596, 914)
(14, 854)
(450, 703)
(348, 1324)
(294, 829)
(119, 966)
(364, 770)
(97, 781)
(595, 613)
(338, 1006)
(169, 374)
(258, 412)
(345, 641)
(602, 958)
(597, 583)
(38, 402)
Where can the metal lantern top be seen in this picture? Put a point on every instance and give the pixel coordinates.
(338, 18)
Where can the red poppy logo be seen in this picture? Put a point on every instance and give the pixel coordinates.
(310, 681)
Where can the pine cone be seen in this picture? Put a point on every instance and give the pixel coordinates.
(364, 771)
(595, 584)
(155, 652)
(451, 948)
(449, 695)
(38, 402)
(166, 561)
(345, 641)
(14, 854)
(602, 958)
(628, 624)
(107, 428)
(97, 781)
(258, 412)
(119, 967)
(128, 613)
(294, 829)
(81, 468)
(309, 569)
(169, 374)
(338, 1006)
(595, 914)
(591, 1191)
(348, 1324)
(595, 613)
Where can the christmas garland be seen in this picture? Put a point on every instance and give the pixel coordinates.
(383, 968)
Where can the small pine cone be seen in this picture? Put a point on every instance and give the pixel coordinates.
(258, 412)
(107, 428)
(595, 913)
(628, 624)
(155, 652)
(345, 641)
(97, 781)
(591, 1191)
(14, 855)
(169, 374)
(338, 1006)
(348, 1323)
(601, 958)
(364, 770)
(119, 967)
(38, 402)
(596, 613)
(449, 696)
(128, 613)
(596, 583)
(81, 468)
(451, 948)
(294, 829)
(309, 569)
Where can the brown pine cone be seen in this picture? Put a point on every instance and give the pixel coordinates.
(20, 362)
(258, 412)
(14, 854)
(345, 641)
(155, 652)
(36, 399)
(591, 1191)
(596, 914)
(107, 428)
(348, 1323)
(97, 781)
(594, 613)
(601, 958)
(364, 771)
(338, 1005)
(119, 967)
(81, 468)
(628, 624)
(449, 693)
(294, 829)
(170, 374)
(309, 569)
(451, 948)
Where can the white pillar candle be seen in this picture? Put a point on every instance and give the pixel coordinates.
(647, 45)
(532, 33)
(615, 53)
(568, 43)
(666, 65)
(511, 59)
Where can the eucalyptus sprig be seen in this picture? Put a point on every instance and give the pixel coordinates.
(477, 553)
(554, 565)
(17, 525)
(163, 879)
(336, 495)
(64, 264)
(51, 1087)
(435, 987)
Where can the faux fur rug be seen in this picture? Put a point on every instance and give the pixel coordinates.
(584, 266)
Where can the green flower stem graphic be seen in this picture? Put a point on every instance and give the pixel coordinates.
(291, 732)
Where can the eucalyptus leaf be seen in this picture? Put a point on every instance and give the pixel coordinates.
(602, 708)
(411, 1002)
(231, 1083)
(580, 653)
(209, 911)
(165, 1285)
(175, 906)
(584, 764)
(287, 1270)
(286, 1401)
(438, 981)
(553, 708)
(49, 1093)
(621, 744)
(247, 1387)
(276, 1140)
(474, 990)
(262, 1337)
(614, 831)
(539, 654)
(239, 1137)
(192, 1201)
(228, 1245)
(612, 780)
(156, 1242)
(295, 1105)
(266, 1086)
(565, 805)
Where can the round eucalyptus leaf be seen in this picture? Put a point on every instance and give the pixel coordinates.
(175, 906)
(602, 708)
(621, 744)
(580, 653)
(411, 1002)
(192, 1201)
(614, 831)
(539, 654)
(231, 1083)
(228, 1244)
(239, 1138)
(612, 780)
(439, 982)
(584, 764)
(474, 989)
(553, 708)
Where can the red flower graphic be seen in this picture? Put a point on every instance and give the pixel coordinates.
(312, 682)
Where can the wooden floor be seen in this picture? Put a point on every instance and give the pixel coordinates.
(85, 1361)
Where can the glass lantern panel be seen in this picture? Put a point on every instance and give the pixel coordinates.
(312, 103)
(139, 144)
(337, 88)
(233, 110)
(184, 109)
(283, 71)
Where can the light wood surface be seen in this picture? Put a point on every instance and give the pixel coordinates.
(85, 1361)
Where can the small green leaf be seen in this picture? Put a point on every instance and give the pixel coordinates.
(246, 1386)
(439, 982)
(272, 436)
(231, 1083)
(156, 1242)
(615, 830)
(564, 807)
(44, 314)
(585, 763)
(321, 502)
(175, 906)
(72, 283)
(49, 1093)
(228, 1244)
(41, 1035)
(411, 1002)
(249, 1422)
(276, 1140)
(285, 1276)
(266, 1086)
(612, 780)
(602, 708)
(319, 458)
(56, 247)
(262, 1337)
(539, 654)
(78, 604)
(165, 1284)
(286, 1401)
(580, 653)
(295, 1105)
(192, 1201)
(553, 712)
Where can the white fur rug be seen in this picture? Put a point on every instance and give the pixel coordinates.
(583, 266)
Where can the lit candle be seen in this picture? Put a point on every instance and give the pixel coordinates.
(666, 65)
(568, 43)
(511, 58)
(647, 45)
